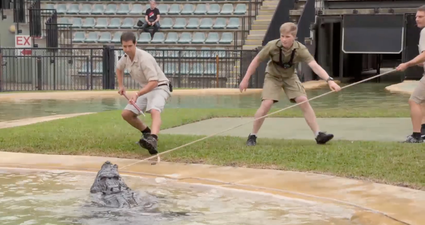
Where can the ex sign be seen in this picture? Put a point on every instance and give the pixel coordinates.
(23, 43)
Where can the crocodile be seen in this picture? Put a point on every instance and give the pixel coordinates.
(110, 190)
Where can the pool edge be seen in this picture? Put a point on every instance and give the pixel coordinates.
(401, 203)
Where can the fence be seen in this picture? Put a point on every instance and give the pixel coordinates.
(87, 68)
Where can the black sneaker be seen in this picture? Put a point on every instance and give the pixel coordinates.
(149, 143)
(411, 139)
(252, 140)
(146, 134)
(322, 138)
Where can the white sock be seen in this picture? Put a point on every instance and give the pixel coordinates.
(317, 133)
(255, 134)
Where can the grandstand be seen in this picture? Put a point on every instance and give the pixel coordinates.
(196, 44)
(186, 23)
(202, 43)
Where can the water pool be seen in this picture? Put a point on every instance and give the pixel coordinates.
(364, 96)
(58, 197)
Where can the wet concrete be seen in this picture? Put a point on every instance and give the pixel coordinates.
(23, 122)
(375, 203)
(405, 87)
(366, 129)
(103, 94)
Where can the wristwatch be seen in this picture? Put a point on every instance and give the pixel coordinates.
(330, 78)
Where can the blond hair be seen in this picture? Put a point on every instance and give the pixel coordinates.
(422, 8)
(289, 28)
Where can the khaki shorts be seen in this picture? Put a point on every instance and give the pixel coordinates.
(273, 86)
(155, 99)
(418, 94)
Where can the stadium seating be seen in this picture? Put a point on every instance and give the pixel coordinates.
(198, 32)
(182, 22)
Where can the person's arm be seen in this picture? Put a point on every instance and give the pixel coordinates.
(420, 59)
(146, 17)
(318, 70)
(306, 57)
(261, 56)
(157, 16)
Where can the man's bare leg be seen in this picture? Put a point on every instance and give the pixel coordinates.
(310, 118)
(416, 116)
(156, 121)
(133, 120)
(265, 107)
(423, 119)
(309, 115)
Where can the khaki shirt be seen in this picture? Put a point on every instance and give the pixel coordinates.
(271, 51)
(422, 44)
(143, 69)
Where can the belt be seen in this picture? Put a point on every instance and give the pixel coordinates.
(162, 84)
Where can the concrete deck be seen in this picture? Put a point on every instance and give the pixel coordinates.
(405, 87)
(375, 204)
(354, 129)
(28, 121)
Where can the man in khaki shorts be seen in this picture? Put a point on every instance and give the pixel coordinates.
(417, 99)
(284, 53)
(156, 89)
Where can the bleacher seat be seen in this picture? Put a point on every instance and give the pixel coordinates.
(111, 9)
(172, 38)
(124, 9)
(198, 38)
(174, 9)
(92, 37)
(158, 38)
(88, 23)
(214, 9)
(180, 23)
(233, 23)
(206, 23)
(128, 23)
(73, 9)
(79, 37)
(185, 38)
(212, 38)
(105, 37)
(114, 23)
(220, 23)
(101, 23)
(117, 37)
(98, 9)
(77, 23)
(137, 9)
(187, 9)
(85, 9)
(144, 38)
(240, 9)
(166, 23)
(201, 9)
(193, 23)
(61, 9)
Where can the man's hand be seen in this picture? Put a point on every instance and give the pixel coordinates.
(121, 90)
(334, 86)
(402, 67)
(133, 99)
(243, 85)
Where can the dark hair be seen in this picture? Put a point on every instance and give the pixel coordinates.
(128, 36)
(422, 8)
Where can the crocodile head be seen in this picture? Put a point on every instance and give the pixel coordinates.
(108, 180)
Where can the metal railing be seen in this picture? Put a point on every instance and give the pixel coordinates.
(84, 68)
